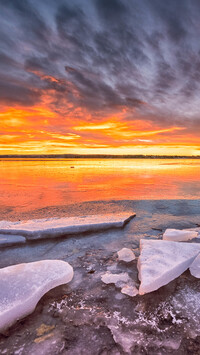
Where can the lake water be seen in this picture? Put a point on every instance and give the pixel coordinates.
(36, 184)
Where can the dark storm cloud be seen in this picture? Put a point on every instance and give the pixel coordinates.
(27, 17)
(18, 94)
(95, 89)
(103, 55)
(5, 60)
(113, 10)
(174, 16)
(165, 77)
(35, 64)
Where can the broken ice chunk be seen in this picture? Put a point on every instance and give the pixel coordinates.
(22, 286)
(129, 290)
(126, 255)
(109, 278)
(122, 281)
(195, 267)
(162, 261)
(196, 229)
(178, 235)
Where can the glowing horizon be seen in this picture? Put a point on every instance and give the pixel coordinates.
(100, 78)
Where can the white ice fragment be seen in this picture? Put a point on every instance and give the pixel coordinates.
(162, 261)
(196, 229)
(178, 235)
(22, 286)
(126, 254)
(109, 278)
(55, 227)
(9, 240)
(195, 267)
(129, 290)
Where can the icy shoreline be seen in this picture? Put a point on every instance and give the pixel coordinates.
(57, 227)
(66, 318)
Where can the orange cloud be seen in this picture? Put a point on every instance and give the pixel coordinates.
(41, 130)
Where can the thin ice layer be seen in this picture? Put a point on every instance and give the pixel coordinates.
(162, 261)
(55, 227)
(22, 286)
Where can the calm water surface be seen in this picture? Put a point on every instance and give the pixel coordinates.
(41, 183)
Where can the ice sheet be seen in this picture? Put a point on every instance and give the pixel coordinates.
(55, 227)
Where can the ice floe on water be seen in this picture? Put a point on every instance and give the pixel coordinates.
(55, 227)
(126, 255)
(22, 286)
(162, 261)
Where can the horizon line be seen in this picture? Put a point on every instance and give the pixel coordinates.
(102, 156)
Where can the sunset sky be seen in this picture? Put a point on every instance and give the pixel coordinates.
(100, 77)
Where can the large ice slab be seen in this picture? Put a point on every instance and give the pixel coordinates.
(178, 235)
(22, 286)
(55, 227)
(162, 261)
(10, 240)
(195, 267)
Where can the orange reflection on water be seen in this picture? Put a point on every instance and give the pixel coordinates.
(41, 183)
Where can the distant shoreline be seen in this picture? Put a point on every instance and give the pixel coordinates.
(95, 156)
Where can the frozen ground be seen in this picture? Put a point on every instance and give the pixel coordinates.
(90, 317)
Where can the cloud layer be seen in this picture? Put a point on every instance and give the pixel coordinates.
(107, 76)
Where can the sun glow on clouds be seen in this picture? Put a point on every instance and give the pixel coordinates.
(72, 81)
(34, 130)
(96, 126)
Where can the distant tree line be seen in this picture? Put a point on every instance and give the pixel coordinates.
(96, 156)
